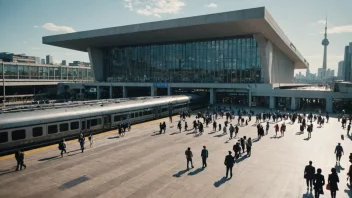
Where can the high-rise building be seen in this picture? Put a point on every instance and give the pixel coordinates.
(320, 73)
(49, 60)
(17, 58)
(347, 63)
(43, 61)
(37, 60)
(63, 62)
(325, 43)
(340, 70)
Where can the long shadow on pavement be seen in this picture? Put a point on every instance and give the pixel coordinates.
(348, 191)
(114, 137)
(241, 159)
(50, 158)
(220, 135)
(198, 170)
(307, 195)
(217, 184)
(299, 133)
(180, 173)
(339, 168)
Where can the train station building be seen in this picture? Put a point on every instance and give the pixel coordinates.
(239, 57)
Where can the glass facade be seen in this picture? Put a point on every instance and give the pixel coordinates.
(21, 71)
(228, 60)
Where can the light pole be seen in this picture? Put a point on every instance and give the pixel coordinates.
(3, 84)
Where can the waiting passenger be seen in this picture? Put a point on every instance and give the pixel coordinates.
(81, 142)
(90, 139)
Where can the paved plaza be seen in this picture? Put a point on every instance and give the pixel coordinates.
(146, 164)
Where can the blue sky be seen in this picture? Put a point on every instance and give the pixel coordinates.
(25, 22)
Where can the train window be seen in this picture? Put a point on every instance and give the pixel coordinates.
(18, 134)
(83, 125)
(37, 131)
(94, 122)
(164, 109)
(52, 129)
(132, 115)
(63, 127)
(117, 118)
(140, 114)
(3, 137)
(74, 125)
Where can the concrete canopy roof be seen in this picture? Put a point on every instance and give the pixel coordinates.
(227, 24)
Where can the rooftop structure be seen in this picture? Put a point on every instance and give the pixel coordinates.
(273, 51)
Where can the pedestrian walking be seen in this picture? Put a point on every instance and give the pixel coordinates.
(17, 157)
(81, 142)
(229, 164)
(309, 172)
(164, 126)
(62, 147)
(179, 126)
(267, 128)
(21, 159)
(224, 130)
(214, 125)
(236, 130)
(249, 147)
(231, 129)
(348, 129)
(338, 152)
(319, 182)
(204, 154)
(333, 179)
(276, 129)
(243, 144)
(90, 139)
(219, 127)
(186, 126)
(189, 157)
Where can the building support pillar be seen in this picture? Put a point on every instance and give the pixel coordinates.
(169, 91)
(124, 92)
(98, 92)
(152, 91)
(212, 96)
(329, 104)
(293, 103)
(110, 92)
(272, 102)
(249, 98)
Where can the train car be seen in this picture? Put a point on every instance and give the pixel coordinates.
(25, 128)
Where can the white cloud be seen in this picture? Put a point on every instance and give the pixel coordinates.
(340, 29)
(57, 28)
(211, 5)
(154, 7)
(25, 42)
(35, 26)
(35, 48)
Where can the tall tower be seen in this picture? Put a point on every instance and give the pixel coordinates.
(325, 43)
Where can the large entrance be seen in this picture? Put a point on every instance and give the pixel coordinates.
(232, 98)
(312, 104)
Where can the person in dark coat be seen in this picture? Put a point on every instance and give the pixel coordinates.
(204, 156)
(309, 172)
(189, 156)
(319, 182)
(17, 157)
(81, 142)
(332, 181)
(243, 144)
(21, 158)
(229, 164)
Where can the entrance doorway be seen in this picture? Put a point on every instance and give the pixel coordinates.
(232, 98)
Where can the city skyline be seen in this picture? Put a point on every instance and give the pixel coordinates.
(26, 26)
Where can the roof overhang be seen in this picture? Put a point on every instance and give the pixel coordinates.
(227, 24)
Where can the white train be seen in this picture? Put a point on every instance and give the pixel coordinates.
(41, 125)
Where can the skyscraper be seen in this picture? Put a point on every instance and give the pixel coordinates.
(49, 60)
(63, 62)
(37, 60)
(340, 70)
(325, 43)
(347, 63)
(43, 61)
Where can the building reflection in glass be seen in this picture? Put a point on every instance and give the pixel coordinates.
(230, 60)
